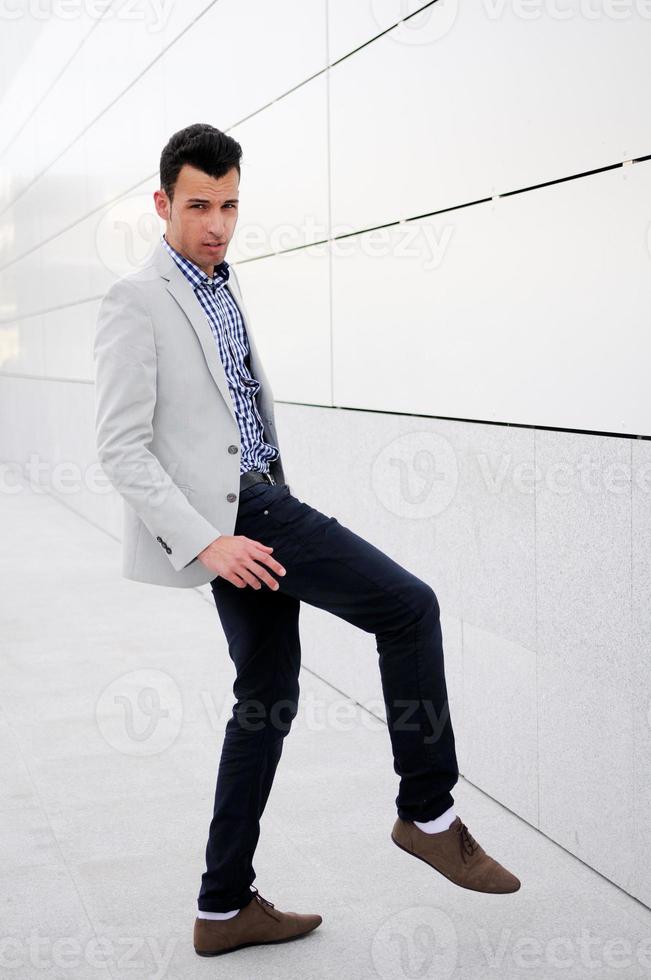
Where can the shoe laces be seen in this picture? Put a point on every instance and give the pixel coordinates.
(261, 899)
(468, 843)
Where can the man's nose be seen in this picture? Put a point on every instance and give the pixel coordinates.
(216, 228)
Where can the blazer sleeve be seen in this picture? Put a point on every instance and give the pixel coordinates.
(124, 352)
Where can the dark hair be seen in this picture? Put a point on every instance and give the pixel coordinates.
(203, 147)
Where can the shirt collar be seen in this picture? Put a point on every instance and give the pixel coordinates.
(196, 275)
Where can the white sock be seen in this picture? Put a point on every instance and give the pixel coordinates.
(438, 824)
(216, 915)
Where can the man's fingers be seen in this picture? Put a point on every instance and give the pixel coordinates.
(251, 579)
(251, 566)
(258, 544)
(274, 565)
(258, 551)
(263, 574)
(241, 580)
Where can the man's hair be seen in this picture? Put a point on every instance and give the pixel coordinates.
(202, 146)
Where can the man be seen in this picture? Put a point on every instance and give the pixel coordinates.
(186, 432)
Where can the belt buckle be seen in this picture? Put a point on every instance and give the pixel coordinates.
(269, 478)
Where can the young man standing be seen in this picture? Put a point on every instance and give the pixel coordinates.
(186, 433)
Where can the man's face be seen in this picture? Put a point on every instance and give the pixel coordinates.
(202, 216)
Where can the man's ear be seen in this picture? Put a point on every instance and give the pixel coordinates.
(162, 205)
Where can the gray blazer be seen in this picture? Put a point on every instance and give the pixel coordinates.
(166, 432)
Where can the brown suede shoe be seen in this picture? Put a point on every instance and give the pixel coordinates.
(258, 922)
(456, 854)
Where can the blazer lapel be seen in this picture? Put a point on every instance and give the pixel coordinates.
(182, 291)
(184, 294)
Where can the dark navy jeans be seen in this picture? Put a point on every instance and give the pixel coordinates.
(329, 566)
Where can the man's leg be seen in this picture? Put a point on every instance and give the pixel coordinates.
(331, 567)
(261, 628)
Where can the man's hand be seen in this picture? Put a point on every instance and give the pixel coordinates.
(236, 558)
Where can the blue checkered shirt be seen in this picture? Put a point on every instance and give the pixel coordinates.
(228, 328)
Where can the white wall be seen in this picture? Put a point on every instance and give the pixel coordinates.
(422, 239)
(507, 298)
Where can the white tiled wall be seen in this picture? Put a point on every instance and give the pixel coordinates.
(556, 328)
(508, 294)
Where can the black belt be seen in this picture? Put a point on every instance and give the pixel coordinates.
(254, 476)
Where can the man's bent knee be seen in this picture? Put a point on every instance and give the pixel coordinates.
(423, 599)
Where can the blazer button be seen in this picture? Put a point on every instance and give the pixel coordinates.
(168, 550)
(232, 449)
(231, 497)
